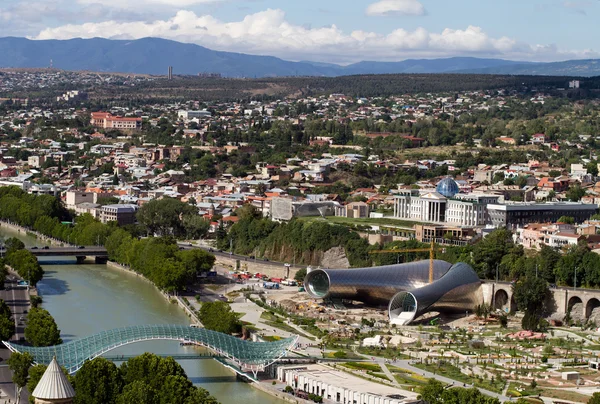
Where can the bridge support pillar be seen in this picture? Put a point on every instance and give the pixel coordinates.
(100, 260)
(80, 259)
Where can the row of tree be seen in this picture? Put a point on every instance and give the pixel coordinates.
(159, 259)
(146, 379)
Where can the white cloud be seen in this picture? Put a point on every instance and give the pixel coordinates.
(396, 7)
(269, 33)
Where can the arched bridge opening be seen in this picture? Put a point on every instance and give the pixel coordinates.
(575, 307)
(503, 301)
(592, 309)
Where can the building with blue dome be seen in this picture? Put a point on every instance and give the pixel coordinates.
(447, 187)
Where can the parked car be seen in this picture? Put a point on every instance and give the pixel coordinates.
(46, 247)
(34, 248)
(81, 246)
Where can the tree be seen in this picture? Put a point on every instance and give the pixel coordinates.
(163, 216)
(150, 369)
(175, 389)
(35, 374)
(195, 262)
(26, 265)
(98, 382)
(595, 399)
(300, 275)
(488, 253)
(196, 227)
(566, 220)
(7, 324)
(19, 364)
(530, 295)
(432, 392)
(575, 193)
(218, 316)
(13, 244)
(137, 392)
(41, 329)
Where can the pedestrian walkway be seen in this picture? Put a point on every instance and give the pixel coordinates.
(405, 364)
(389, 374)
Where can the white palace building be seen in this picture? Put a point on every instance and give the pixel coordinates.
(444, 205)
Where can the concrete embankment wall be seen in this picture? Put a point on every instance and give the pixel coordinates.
(254, 266)
(39, 236)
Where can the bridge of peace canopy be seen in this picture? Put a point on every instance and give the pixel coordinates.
(247, 355)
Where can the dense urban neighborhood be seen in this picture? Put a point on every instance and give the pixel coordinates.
(425, 246)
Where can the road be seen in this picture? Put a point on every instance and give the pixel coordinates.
(242, 258)
(18, 301)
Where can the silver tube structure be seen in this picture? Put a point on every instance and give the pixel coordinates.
(375, 285)
(459, 290)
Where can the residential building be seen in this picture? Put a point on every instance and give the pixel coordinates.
(122, 214)
(194, 114)
(534, 235)
(353, 210)
(36, 161)
(106, 120)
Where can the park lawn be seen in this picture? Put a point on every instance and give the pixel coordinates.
(276, 322)
(454, 373)
(406, 377)
(387, 353)
(564, 395)
(249, 326)
(349, 355)
(372, 367)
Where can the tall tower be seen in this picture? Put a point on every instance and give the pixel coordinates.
(53, 387)
(170, 72)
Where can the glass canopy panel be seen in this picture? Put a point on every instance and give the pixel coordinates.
(74, 353)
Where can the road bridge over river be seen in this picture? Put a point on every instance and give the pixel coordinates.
(81, 253)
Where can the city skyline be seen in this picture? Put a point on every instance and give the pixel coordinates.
(333, 31)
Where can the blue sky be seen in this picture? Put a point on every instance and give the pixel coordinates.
(333, 31)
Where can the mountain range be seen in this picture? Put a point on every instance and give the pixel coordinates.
(155, 55)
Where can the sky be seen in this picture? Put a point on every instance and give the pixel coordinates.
(330, 31)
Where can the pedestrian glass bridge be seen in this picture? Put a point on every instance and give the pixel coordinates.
(247, 355)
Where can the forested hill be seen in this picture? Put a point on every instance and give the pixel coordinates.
(155, 55)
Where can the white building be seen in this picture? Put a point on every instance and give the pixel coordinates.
(194, 114)
(36, 161)
(340, 387)
(433, 207)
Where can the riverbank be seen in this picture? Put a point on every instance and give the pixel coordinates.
(170, 298)
(35, 234)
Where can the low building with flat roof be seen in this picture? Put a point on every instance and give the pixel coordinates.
(341, 387)
(518, 214)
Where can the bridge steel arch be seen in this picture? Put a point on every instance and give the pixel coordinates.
(247, 355)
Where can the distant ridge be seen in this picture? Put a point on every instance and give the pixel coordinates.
(155, 55)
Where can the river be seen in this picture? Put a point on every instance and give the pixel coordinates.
(86, 299)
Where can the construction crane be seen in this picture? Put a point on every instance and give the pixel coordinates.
(431, 249)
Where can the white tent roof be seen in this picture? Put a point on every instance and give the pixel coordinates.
(54, 385)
